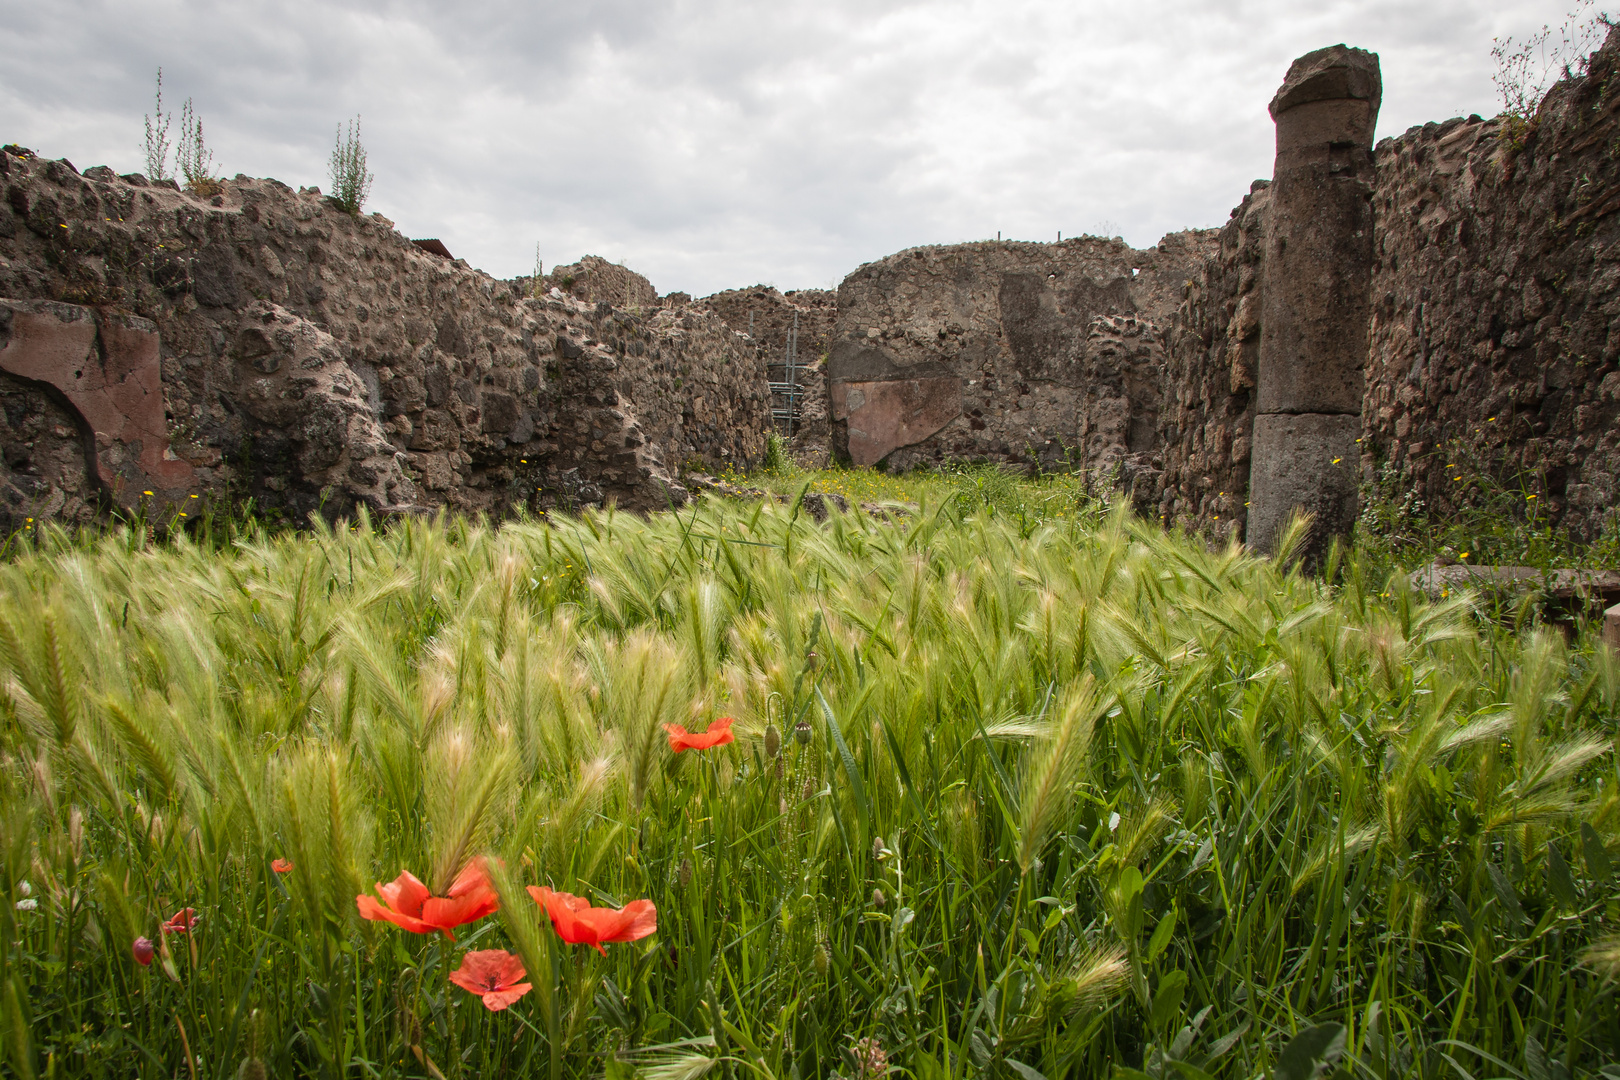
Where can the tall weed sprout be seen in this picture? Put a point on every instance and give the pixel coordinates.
(193, 158)
(157, 136)
(1527, 69)
(351, 183)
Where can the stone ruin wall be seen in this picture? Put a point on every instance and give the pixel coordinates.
(311, 359)
(1026, 354)
(1496, 327)
(310, 356)
(769, 316)
(1494, 340)
(1212, 353)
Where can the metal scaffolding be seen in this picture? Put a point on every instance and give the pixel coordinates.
(786, 395)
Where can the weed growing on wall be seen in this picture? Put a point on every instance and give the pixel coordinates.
(157, 136)
(1526, 70)
(351, 183)
(1489, 521)
(192, 156)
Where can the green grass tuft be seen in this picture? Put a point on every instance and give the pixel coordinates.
(1053, 793)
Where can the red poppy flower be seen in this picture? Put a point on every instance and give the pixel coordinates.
(718, 734)
(578, 923)
(493, 975)
(181, 922)
(407, 902)
(282, 866)
(142, 950)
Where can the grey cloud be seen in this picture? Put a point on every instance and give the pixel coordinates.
(714, 145)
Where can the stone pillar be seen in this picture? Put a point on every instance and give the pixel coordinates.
(1315, 302)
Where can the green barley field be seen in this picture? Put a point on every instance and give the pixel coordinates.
(1009, 796)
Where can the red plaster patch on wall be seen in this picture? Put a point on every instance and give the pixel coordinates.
(117, 388)
(884, 416)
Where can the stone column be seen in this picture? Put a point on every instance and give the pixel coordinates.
(1315, 302)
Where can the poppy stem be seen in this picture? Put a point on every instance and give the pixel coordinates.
(454, 1030)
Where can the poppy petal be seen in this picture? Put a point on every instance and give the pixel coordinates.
(496, 1000)
(405, 894)
(473, 877)
(371, 909)
(449, 912)
(639, 919)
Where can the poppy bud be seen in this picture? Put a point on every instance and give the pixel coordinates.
(685, 873)
(878, 899)
(801, 731)
(253, 1069)
(773, 740)
(877, 847)
(822, 960)
(142, 950)
(811, 660)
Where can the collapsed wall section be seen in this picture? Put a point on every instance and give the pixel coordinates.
(1046, 355)
(316, 360)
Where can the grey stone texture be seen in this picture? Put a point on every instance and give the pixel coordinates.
(1010, 352)
(316, 360)
(1314, 296)
(1319, 252)
(597, 281)
(309, 358)
(1308, 462)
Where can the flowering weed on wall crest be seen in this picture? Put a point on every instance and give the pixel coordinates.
(731, 791)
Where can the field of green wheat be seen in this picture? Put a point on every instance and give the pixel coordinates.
(1003, 798)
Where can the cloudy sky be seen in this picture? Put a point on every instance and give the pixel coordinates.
(719, 144)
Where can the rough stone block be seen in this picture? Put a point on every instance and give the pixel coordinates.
(1306, 462)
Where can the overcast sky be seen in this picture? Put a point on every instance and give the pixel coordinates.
(714, 145)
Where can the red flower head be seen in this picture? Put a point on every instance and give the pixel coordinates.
(407, 902)
(142, 951)
(282, 866)
(578, 923)
(493, 975)
(181, 922)
(718, 734)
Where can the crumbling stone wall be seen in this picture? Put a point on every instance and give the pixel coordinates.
(597, 281)
(1009, 352)
(1212, 355)
(1496, 329)
(313, 359)
(1494, 336)
(770, 316)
